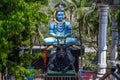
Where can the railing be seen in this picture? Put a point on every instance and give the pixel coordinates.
(56, 77)
(62, 78)
(89, 76)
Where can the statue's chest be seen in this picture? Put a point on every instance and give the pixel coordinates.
(60, 27)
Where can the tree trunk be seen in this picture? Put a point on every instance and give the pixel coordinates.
(70, 16)
(80, 36)
(0, 76)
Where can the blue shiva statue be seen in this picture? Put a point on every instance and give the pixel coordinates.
(60, 28)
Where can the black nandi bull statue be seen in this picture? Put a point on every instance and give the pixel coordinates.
(61, 58)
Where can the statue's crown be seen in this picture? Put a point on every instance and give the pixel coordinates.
(60, 8)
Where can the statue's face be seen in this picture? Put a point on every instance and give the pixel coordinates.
(60, 16)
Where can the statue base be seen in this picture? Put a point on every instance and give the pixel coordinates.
(61, 73)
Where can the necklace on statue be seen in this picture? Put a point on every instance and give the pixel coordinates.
(60, 27)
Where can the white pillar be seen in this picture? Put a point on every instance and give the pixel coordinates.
(114, 36)
(102, 47)
(114, 29)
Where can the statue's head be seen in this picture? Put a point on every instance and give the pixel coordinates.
(60, 14)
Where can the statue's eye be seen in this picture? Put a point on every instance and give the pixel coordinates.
(58, 14)
(61, 14)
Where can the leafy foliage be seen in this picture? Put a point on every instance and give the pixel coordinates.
(17, 24)
(90, 61)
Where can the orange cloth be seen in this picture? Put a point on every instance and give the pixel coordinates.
(45, 57)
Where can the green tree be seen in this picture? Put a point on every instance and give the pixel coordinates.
(17, 23)
(85, 14)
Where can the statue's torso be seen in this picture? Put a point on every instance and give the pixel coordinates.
(60, 29)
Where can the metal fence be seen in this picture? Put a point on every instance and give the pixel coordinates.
(62, 78)
(76, 77)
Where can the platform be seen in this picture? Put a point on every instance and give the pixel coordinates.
(61, 73)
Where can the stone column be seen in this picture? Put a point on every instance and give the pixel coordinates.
(114, 36)
(114, 30)
(102, 47)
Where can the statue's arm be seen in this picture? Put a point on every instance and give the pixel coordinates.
(69, 30)
(51, 30)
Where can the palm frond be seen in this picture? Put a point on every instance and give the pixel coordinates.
(72, 3)
(83, 3)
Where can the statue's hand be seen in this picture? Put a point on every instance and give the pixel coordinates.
(60, 36)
